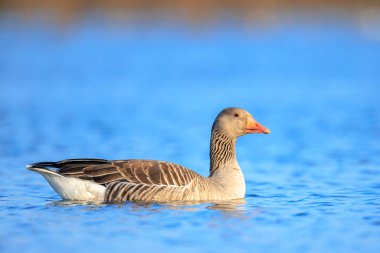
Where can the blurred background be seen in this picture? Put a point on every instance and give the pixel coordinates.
(145, 79)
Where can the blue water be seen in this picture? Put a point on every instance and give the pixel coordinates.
(152, 90)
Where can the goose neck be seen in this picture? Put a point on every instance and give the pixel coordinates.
(222, 151)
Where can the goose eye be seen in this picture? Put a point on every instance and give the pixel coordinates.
(237, 115)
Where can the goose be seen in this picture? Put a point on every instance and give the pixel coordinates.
(158, 181)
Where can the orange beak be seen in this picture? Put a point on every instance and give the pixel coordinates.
(254, 127)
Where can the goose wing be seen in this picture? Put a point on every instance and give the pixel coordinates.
(149, 172)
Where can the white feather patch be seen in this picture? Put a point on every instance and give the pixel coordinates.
(70, 188)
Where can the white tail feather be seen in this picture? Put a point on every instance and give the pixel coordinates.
(70, 188)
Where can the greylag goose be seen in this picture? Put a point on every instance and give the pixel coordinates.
(157, 181)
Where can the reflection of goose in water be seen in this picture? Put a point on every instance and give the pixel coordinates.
(147, 180)
(226, 205)
(229, 205)
(235, 209)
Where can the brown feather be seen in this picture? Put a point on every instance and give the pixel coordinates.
(100, 170)
(108, 178)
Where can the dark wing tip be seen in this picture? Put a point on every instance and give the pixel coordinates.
(62, 163)
(41, 165)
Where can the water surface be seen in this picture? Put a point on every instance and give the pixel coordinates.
(152, 92)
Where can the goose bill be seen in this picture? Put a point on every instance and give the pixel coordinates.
(255, 127)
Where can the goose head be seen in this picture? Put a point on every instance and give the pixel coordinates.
(238, 122)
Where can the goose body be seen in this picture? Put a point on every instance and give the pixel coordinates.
(151, 180)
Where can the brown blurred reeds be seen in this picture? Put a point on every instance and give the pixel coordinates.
(192, 10)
